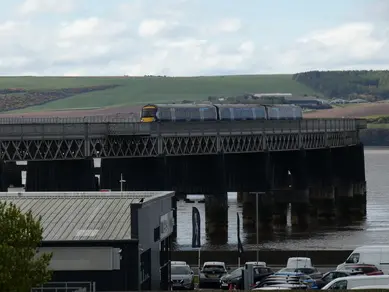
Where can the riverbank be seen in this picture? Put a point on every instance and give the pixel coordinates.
(271, 257)
(375, 136)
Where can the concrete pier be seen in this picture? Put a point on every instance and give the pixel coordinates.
(265, 210)
(239, 197)
(344, 196)
(216, 218)
(174, 207)
(358, 206)
(280, 213)
(61, 175)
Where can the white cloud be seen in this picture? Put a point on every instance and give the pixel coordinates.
(138, 38)
(44, 6)
(229, 25)
(151, 27)
(353, 44)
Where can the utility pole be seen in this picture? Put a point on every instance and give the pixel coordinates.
(121, 182)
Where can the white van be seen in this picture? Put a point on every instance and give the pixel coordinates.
(299, 262)
(377, 255)
(346, 283)
(372, 287)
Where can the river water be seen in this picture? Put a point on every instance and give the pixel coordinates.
(373, 230)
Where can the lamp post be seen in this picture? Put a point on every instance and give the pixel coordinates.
(121, 182)
(257, 220)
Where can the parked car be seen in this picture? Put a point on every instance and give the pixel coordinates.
(377, 255)
(287, 278)
(347, 283)
(329, 276)
(179, 263)
(182, 277)
(211, 273)
(299, 262)
(369, 270)
(235, 277)
(284, 287)
(312, 272)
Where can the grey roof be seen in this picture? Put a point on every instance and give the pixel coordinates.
(82, 216)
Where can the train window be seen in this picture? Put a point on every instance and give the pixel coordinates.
(149, 112)
(225, 114)
(209, 114)
(243, 114)
(187, 114)
(260, 113)
(164, 114)
(247, 113)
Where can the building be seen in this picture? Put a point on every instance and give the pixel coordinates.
(112, 241)
(308, 102)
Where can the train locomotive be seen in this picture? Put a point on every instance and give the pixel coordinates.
(218, 112)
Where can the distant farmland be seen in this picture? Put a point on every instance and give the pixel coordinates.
(26, 94)
(353, 111)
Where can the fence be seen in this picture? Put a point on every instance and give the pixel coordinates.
(66, 287)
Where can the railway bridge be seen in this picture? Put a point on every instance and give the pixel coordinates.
(317, 165)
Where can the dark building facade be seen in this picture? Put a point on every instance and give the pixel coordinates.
(109, 241)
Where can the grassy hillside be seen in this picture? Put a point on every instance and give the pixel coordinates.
(369, 110)
(370, 85)
(134, 90)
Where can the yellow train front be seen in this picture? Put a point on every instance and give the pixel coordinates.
(178, 113)
(218, 112)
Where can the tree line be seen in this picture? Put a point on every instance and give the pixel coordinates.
(367, 84)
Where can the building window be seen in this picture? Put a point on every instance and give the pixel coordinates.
(157, 232)
(145, 270)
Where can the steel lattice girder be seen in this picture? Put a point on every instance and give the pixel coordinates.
(138, 146)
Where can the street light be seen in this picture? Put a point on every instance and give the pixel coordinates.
(121, 182)
(257, 219)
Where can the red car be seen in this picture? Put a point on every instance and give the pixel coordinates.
(368, 270)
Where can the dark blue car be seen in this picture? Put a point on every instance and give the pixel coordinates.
(288, 278)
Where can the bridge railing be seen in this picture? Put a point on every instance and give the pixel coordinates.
(96, 130)
(117, 118)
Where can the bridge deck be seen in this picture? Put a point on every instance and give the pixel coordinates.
(51, 141)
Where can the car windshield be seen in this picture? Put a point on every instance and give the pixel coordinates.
(298, 270)
(237, 272)
(213, 268)
(180, 270)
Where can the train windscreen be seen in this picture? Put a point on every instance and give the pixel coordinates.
(149, 112)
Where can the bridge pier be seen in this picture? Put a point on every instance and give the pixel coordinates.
(325, 204)
(298, 168)
(174, 207)
(344, 195)
(322, 192)
(280, 214)
(300, 210)
(61, 175)
(239, 197)
(3, 185)
(216, 218)
(358, 207)
(12, 174)
(265, 209)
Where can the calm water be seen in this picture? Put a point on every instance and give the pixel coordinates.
(373, 230)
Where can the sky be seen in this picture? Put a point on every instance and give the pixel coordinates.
(191, 37)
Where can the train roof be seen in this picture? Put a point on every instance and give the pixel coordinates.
(180, 105)
(238, 105)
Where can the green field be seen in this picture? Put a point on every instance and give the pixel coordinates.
(140, 90)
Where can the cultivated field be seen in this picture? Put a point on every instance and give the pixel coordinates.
(139, 90)
(353, 111)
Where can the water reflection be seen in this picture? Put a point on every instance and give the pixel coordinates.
(341, 235)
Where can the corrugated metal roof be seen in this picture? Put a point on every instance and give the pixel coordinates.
(82, 216)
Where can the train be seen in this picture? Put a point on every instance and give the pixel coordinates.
(218, 112)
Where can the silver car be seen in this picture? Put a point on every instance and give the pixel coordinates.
(182, 277)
